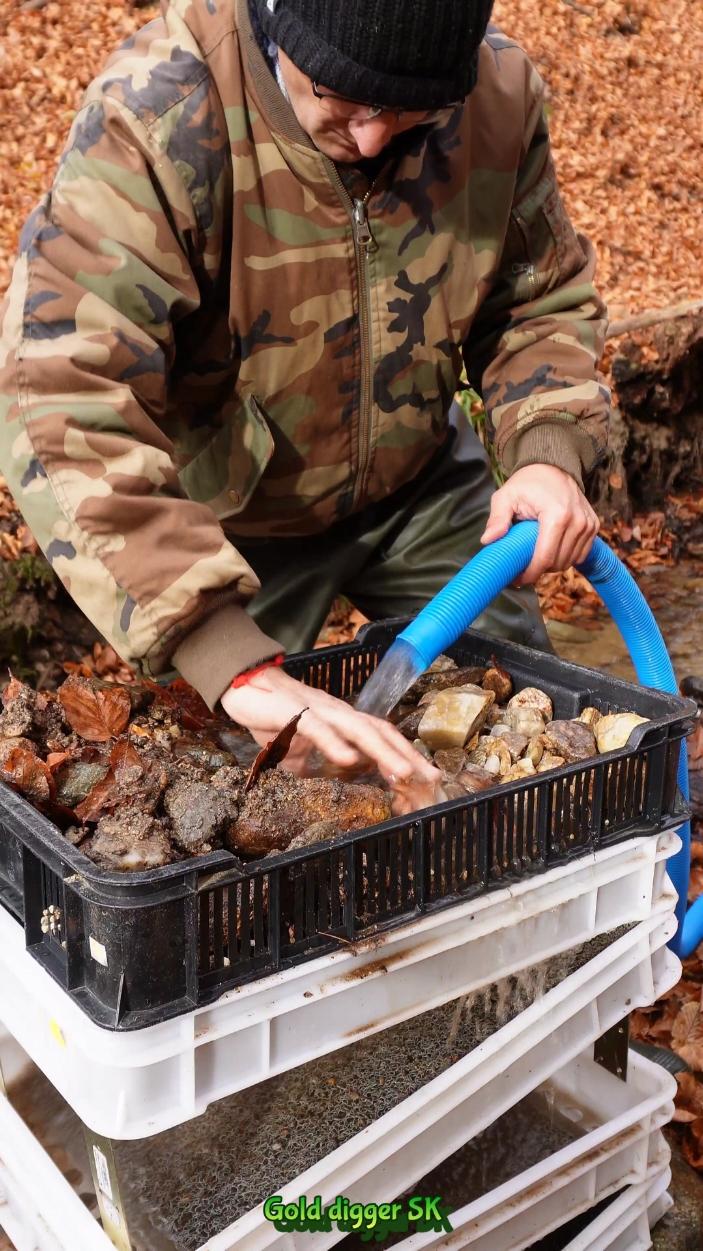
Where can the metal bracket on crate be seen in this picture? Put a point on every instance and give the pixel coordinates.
(611, 1049)
(104, 1173)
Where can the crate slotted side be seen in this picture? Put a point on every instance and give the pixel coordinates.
(135, 949)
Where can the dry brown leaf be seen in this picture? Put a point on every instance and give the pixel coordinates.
(275, 750)
(96, 715)
(693, 1144)
(687, 1035)
(689, 1098)
(12, 690)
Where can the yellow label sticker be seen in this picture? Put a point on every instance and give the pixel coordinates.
(57, 1032)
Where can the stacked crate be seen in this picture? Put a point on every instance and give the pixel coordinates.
(392, 994)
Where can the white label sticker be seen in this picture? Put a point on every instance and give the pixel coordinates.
(103, 1173)
(97, 951)
(111, 1213)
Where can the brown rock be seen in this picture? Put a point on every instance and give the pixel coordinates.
(281, 807)
(451, 760)
(498, 681)
(515, 743)
(474, 779)
(571, 739)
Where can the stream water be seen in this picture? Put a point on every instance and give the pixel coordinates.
(675, 596)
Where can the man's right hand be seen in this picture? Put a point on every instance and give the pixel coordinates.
(345, 737)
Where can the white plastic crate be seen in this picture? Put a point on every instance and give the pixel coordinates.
(39, 1210)
(627, 1222)
(391, 1154)
(131, 1085)
(627, 1148)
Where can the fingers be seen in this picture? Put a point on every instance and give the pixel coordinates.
(345, 737)
(562, 542)
(371, 739)
(500, 516)
(567, 523)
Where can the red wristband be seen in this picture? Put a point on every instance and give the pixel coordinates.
(243, 678)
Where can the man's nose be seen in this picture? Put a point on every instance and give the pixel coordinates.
(372, 135)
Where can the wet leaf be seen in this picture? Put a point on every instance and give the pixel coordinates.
(131, 781)
(21, 768)
(274, 752)
(195, 714)
(189, 708)
(56, 758)
(75, 773)
(97, 715)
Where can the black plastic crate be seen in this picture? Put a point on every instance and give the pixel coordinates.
(134, 949)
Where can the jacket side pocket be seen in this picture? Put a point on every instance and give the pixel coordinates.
(225, 474)
(542, 244)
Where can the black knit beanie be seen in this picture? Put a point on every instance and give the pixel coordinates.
(406, 54)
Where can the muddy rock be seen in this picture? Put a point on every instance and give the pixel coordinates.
(32, 714)
(77, 834)
(130, 842)
(200, 815)
(281, 807)
(76, 777)
(315, 833)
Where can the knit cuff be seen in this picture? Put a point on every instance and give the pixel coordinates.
(224, 645)
(555, 443)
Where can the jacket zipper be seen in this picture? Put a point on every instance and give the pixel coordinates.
(528, 268)
(364, 245)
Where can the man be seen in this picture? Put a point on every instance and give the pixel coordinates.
(236, 324)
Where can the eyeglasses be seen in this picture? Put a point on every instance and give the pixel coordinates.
(358, 111)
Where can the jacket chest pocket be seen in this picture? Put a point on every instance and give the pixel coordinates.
(225, 474)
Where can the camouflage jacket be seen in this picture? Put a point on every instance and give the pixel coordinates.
(207, 337)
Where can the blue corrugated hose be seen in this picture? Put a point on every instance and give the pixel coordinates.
(452, 611)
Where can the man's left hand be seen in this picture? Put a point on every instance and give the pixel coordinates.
(567, 523)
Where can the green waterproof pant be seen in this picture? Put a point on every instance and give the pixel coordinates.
(392, 557)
